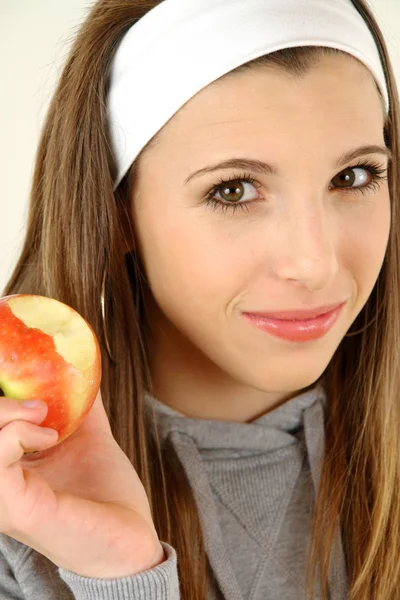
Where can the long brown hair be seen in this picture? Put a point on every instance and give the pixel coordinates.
(76, 232)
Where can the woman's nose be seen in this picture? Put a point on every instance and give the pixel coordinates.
(306, 250)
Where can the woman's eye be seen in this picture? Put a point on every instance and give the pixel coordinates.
(352, 177)
(236, 191)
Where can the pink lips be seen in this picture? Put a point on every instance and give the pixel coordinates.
(297, 326)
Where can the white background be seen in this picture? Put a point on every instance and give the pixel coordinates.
(35, 36)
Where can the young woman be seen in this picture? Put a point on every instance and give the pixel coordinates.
(212, 176)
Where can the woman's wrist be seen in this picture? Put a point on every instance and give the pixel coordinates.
(148, 560)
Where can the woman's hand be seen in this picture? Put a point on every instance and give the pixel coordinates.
(80, 503)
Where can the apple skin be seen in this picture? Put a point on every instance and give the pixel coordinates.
(49, 352)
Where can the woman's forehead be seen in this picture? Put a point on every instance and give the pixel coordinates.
(337, 92)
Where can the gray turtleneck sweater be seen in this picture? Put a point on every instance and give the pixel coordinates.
(254, 485)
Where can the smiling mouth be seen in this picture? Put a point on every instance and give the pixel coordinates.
(296, 330)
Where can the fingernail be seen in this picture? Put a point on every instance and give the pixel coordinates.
(48, 431)
(31, 403)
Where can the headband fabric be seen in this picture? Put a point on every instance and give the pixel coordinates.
(181, 46)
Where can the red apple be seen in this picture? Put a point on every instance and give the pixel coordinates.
(49, 352)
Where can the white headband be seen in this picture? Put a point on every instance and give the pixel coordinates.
(181, 46)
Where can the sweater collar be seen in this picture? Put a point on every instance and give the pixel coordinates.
(218, 439)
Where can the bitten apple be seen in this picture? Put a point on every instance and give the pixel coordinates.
(49, 352)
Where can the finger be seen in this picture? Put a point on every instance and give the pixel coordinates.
(34, 411)
(19, 437)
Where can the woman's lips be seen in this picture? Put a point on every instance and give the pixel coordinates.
(293, 329)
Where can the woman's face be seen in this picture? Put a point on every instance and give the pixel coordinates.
(300, 236)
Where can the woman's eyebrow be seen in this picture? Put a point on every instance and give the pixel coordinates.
(259, 166)
(362, 151)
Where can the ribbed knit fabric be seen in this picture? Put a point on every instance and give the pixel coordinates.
(160, 583)
(254, 485)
